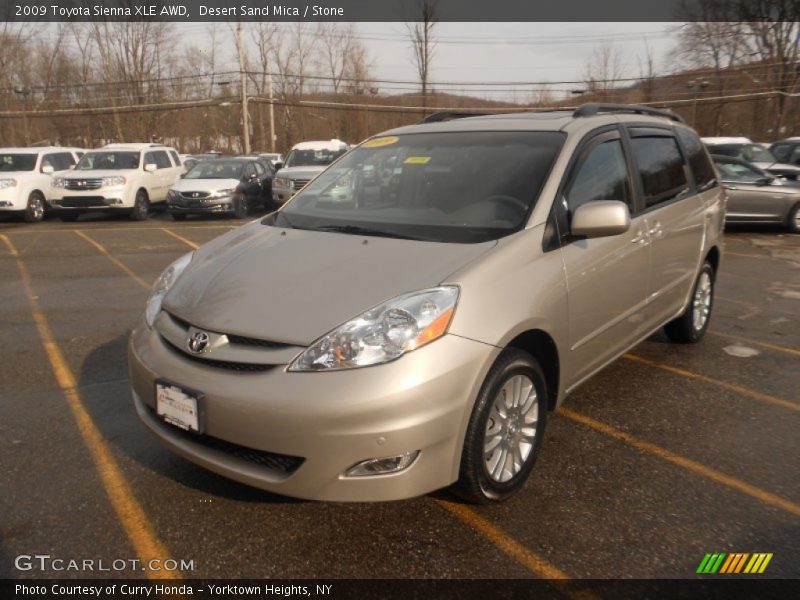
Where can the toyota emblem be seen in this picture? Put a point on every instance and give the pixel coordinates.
(198, 343)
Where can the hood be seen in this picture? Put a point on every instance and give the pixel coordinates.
(300, 172)
(293, 286)
(204, 185)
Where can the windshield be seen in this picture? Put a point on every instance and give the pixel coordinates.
(312, 158)
(216, 169)
(109, 161)
(447, 187)
(17, 162)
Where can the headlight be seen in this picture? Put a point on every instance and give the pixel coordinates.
(223, 193)
(58, 182)
(383, 333)
(281, 182)
(7, 183)
(113, 180)
(162, 285)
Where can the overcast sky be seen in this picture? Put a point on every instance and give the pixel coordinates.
(477, 53)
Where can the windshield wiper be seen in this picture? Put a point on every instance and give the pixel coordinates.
(359, 230)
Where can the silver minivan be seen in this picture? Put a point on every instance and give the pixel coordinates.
(408, 320)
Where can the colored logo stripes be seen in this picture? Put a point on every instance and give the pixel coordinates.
(735, 562)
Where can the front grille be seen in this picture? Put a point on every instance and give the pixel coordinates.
(194, 195)
(236, 339)
(219, 364)
(277, 462)
(83, 184)
(82, 201)
(299, 184)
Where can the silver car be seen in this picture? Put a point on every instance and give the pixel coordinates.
(305, 161)
(409, 320)
(755, 196)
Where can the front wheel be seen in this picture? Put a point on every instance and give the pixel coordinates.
(793, 222)
(690, 327)
(240, 207)
(141, 206)
(34, 210)
(505, 430)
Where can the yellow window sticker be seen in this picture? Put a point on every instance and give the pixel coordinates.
(417, 160)
(380, 142)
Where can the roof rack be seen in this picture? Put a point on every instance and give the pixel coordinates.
(594, 108)
(449, 116)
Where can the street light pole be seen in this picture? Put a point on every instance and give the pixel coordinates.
(243, 91)
(271, 117)
(24, 92)
(696, 86)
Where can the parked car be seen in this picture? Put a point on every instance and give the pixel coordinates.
(25, 178)
(225, 185)
(787, 151)
(743, 148)
(118, 177)
(305, 161)
(273, 157)
(755, 196)
(416, 333)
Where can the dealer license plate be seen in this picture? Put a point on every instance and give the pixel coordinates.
(178, 407)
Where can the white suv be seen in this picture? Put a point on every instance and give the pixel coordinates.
(25, 178)
(129, 177)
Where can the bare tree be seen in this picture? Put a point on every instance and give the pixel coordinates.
(420, 30)
(603, 71)
(647, 73)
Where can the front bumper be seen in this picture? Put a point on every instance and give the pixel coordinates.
(331, 420)
(205, 205)
(281, 195)
(87, 202)
(12, 200)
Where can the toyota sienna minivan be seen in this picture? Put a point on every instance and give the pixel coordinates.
(410, 318)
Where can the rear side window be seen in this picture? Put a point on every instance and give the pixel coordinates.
(60, 161)
(700, 163)
(603, 175)
(660, 166)
(175, 158)
(158, 158)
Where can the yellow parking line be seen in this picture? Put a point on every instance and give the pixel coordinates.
(769, 346)
(527, 558)
(102, 250)
(717, 296)
(180, 238)
(686, 463)
(132, 517)
(11, 249)
(739, 389)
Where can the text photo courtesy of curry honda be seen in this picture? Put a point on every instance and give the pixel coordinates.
(392, 301)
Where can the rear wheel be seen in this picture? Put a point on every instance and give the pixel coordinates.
(505, 430)
(141, 206)
(690, 327)
(793, 222)
(34, 211)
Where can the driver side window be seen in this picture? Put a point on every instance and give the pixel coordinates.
(603, 175)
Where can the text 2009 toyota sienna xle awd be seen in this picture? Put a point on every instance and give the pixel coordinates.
(407, 321)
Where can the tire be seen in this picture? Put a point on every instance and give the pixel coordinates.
(482, 479)
(689, 328)
(793, 222)
(34, 210)
(179, 216)
(141, 206)
(68, 217)
(240, 207)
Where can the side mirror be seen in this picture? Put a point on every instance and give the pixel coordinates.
(279, 165)
(47, 169)
(600, 219)
(150, 168)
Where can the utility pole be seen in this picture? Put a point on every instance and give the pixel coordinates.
(271, 117)
(25, 93)
(243, 92)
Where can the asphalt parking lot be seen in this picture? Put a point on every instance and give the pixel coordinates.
(670, 453)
